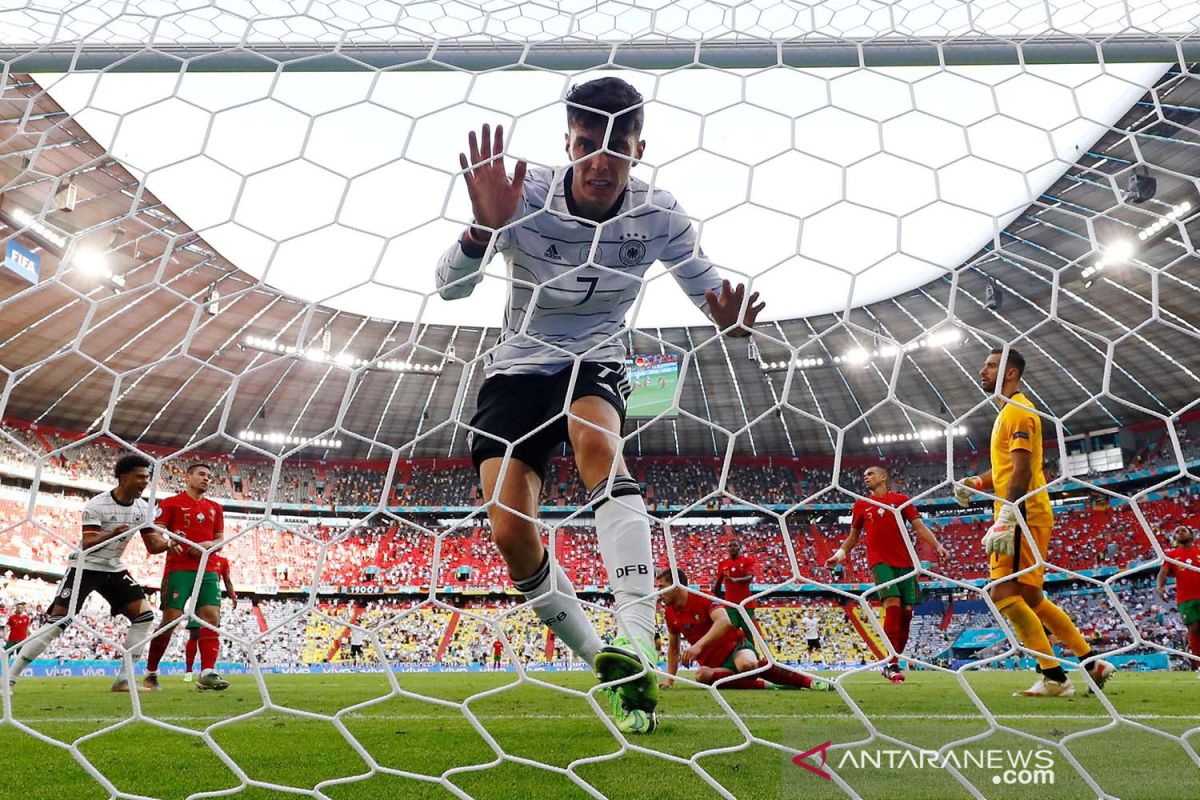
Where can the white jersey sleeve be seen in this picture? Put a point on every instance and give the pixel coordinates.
(458, 273)
(685, 259)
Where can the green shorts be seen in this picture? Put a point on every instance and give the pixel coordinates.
(1190, 609)
(742, 620)
(179, 589)
(906, 590)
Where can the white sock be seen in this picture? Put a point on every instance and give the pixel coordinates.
(35, 646)
(623, 535)
(558, 608)
(137, 636)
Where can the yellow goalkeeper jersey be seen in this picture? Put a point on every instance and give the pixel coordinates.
(1017, 427)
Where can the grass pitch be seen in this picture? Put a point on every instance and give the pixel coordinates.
(322, 735)
(649, 401)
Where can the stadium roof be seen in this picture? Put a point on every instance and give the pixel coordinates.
(186, 373)
(333, 186)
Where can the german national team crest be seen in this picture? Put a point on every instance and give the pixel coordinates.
(632, 252)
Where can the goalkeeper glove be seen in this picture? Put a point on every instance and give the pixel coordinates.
(1001, 538)
(965, 490)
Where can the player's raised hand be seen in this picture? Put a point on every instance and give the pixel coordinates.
(724, 308)
(494, 198)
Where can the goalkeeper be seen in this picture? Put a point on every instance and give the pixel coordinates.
(1017, 563)
(577, 242)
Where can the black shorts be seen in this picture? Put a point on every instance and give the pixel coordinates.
(511, 406)
(814, 644)
(356, 650)
(118, 588)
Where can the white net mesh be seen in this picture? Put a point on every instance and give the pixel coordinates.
(222, 225)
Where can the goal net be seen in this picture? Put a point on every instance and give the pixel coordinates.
(223, 223)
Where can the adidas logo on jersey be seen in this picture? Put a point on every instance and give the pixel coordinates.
(552, 252)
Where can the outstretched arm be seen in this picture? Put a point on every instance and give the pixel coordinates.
(495, 199)
(699, 278)
(926, 535)
(842, 552)
(1163, 572)
(672, 659)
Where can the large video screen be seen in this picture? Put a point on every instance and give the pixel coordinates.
(653, 379)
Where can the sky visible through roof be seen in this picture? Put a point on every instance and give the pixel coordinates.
(342, 188)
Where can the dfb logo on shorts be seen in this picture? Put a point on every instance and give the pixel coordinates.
(632, 569)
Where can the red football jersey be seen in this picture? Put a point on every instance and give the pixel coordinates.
(219, 564)
(740, 567)
(693, 620)
(885, 543)
(18, 627)
(1187, 581)
(497, 647)
(196, 520)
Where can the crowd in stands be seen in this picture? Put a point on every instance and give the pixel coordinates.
(270, 556)
(387, 553)
(289, 632)
(672, 481)
(451, 485)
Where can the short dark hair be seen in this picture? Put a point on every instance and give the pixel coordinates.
(1015, 359)
(197, 465)
(127, 464)
(676, 575)
(591, 104)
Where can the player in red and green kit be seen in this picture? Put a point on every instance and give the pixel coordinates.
(199, 520)
(735, 575)
(1187, 586)
(17, 628)
(888, 557)
(194, 627)
(720, 646)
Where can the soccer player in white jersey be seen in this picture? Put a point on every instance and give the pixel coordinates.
(109, 520)
(577, 241)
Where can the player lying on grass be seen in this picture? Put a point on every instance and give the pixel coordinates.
(1187, 586)
(719, 647)
(888, 558)
(578, 243)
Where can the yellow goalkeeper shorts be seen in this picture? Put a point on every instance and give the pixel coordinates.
(1002, 565)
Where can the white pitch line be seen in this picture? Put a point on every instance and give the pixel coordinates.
(667, 716)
